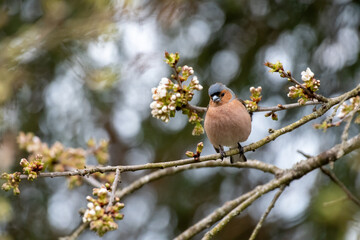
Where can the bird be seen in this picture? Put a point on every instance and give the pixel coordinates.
(227, 121)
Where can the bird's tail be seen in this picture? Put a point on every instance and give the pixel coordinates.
(238, 158)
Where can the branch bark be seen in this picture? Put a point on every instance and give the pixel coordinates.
(77, 232)
(113, 189)
(297, 171)
(333, 177)
(266, 213)
(281, 107)
(213, 217)
(267, 168)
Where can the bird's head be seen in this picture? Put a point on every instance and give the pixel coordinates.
(220, 94)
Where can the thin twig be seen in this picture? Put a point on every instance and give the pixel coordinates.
(85, 172)
(92, 181)
(307, 91)
(333, 177)
(170, 171)
(297, 171)
(76, 232)
(233, 213)
(336, 201)
(349, 119)
(196, 108)
(88, 179)
(304, 154)
(266, 213)
(281, 107)
(177, 76)
(213, 217)
(113, 190)
(345, 97)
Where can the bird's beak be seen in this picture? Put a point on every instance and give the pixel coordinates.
(215, 98)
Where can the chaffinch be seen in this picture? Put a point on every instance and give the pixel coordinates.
(227, 122)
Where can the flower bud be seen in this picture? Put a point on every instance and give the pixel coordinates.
(189, 154)
(24, 162)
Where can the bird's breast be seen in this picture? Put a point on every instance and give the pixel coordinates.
(227, 124)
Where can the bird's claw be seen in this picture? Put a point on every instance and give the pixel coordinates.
(223, 154)
(221, 151)
(241, 152)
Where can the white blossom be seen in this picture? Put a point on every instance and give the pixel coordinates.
(102, 191)
(153, 104)
(307, 75)
(154, 112)
(92, 212)
(199, 87)
(164, 81)
(188, 69)
(90, 205)
(162, 92)
(195, 80)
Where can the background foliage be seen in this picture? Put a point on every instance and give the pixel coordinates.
(71, 70)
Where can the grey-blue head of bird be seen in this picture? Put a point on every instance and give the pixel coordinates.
(217, 91)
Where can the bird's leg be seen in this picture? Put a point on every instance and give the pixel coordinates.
(241, 152)
(221, 151)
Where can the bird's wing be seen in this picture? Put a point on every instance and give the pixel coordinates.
(250, 113)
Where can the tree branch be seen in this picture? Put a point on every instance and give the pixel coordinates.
(196, 108)
(214, 217)
(92, 181)
(297, 171)
(88, 179)
(307, 91)
(266, 213)
(77, 232)
(350, 117)
(325, 107)
(268, 168)
(281, 107)
(333, 177)
(113, 189)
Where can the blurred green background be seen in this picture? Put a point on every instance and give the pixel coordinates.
(71, 70)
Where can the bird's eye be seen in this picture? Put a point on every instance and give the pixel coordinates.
(222, 94)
